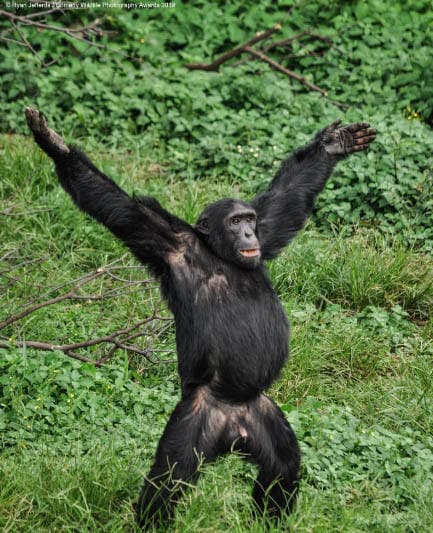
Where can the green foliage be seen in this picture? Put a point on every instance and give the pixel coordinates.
(241, 122)
(341, 452)
(75, 441)
(43, 395)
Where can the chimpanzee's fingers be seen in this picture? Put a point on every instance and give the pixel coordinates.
(34, 121)
(361, 144)
(357, 148)
(364, 133)
(365, 140)
(357, 126)
(48, 139)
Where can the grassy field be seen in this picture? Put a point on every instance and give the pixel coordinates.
(76, 440)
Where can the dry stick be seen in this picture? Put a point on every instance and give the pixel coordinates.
(284, 70)
(70, 32)
(69, 295)
(308, 31)
(295, 76)
(48, 347)
(26, 42)
(118, 338)
(325, 39)
(270, 46)
(44, 13)
(260, 36)
(70, 349)
(28, 22)
(113, 265)
(215, 65)
(133, 336)
(22, 264)
(13, 41)
(283, 42)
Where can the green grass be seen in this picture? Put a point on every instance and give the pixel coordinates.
(76, 441)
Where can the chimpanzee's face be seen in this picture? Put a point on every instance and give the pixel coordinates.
(230, 228)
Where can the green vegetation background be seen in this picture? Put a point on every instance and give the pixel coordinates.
(357, 284)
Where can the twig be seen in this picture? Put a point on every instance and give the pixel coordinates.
(119, 339)
(70, 349)
(52, 301)
(110, 266)
(30, 22)
(44, 13)
(25, 41)
(215, 65)
(48, 347)
(70, 32)
(325, 39)
(284, 70)
(22, 264)
(247, 48)
(13, 41)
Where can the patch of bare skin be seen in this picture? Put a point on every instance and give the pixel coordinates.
(220, 414)
(217, 281)
(200, 399)
(265, 404)
(177, 258)
(215, 286)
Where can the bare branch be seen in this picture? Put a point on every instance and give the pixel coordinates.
(93, 28)
(13, 41)
(260, 54)
(119, 339)
(25, 41)
(215, 65)
(69, 295)
(284, 70)
(44, 13)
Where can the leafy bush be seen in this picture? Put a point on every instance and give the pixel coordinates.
(57, 403)
(240, 123)
(340, 451)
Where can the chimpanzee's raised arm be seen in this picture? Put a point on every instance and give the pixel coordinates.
(145, 227)
(283, 209)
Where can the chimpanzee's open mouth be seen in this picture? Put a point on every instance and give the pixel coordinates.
(254, 252)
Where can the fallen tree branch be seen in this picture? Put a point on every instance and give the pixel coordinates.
(70, 349)
(120, 339)
(254, 53)
(215, 65)
(68, 296)
(284, 70)
(81, 33)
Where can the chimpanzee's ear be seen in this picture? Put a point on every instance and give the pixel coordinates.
(203, 226)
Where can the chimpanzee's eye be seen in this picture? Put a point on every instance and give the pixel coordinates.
(236, 220)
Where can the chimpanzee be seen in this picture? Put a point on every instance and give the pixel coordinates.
(231, 330)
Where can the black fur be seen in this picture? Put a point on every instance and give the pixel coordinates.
(231, 331)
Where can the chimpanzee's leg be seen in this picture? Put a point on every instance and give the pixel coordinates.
(272, 445)
(193, 434)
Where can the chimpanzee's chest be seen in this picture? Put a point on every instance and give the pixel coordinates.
(230, 324)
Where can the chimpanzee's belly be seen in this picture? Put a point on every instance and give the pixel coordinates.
(236, 344)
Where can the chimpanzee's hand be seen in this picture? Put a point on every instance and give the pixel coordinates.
(347, 139)
(48, 139)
